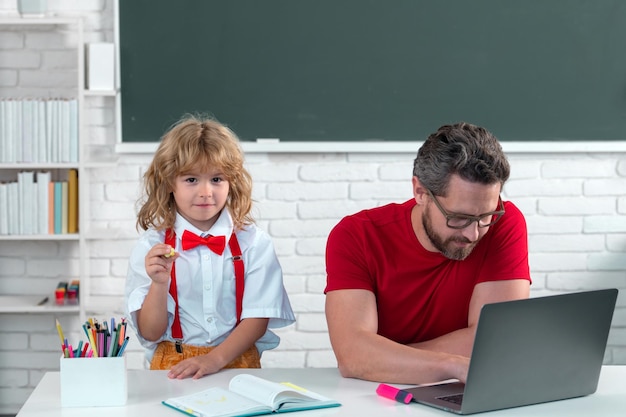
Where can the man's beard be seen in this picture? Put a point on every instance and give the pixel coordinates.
(445, 246)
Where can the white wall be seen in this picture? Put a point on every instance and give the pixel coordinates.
(575, 205)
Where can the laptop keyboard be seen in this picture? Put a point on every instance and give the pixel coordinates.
(454, 398)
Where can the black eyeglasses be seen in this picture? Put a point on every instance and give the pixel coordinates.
(461, 221)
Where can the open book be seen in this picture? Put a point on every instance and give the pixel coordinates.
(249, 395)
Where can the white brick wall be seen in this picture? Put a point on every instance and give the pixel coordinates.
(575, 205)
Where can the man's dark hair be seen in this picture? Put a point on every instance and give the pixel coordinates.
(470, 151)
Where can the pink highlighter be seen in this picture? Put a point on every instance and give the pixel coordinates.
(393, 393)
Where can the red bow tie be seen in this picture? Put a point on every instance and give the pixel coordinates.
(215, 243)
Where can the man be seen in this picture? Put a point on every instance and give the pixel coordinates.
(406, 282)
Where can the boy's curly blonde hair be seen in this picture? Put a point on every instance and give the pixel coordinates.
(191, 143)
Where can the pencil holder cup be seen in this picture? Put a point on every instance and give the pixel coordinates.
(93, 382)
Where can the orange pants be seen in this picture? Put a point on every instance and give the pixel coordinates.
(166, 356)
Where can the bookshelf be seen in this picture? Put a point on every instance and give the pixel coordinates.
(38, 260)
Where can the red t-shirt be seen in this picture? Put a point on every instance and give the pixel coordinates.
(420, 295)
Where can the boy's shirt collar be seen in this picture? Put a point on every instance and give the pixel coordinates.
(222, 227)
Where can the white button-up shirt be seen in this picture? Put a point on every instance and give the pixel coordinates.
(206, 285)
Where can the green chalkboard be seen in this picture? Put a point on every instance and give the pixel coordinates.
(369, 70)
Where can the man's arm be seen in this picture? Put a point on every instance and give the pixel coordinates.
(460, 342)
(361, 353)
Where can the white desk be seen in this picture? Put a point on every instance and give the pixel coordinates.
(146, 389)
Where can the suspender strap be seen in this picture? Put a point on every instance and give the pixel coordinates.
(177, 331)
(235, 250)
(233, 243)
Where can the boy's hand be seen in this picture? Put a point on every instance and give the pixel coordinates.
(195, 367)
(159, 261)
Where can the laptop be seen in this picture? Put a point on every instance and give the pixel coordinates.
(530, 351)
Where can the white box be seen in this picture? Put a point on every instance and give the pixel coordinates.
(100, 66)
(93, 382)
(32, 7)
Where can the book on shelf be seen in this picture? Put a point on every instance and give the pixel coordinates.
(34, 109)
(73, 130)
(52, 112)
(26, 189)
(3, 130)
(64, 206)
(249, 395)
(4, 209)
(17, 130)
(41, 132)
(27, 131)
(72, 204)
(51, 214)
(43, 201)
(13, 208)
(58, 207)
(64, 142)
(8, 132)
